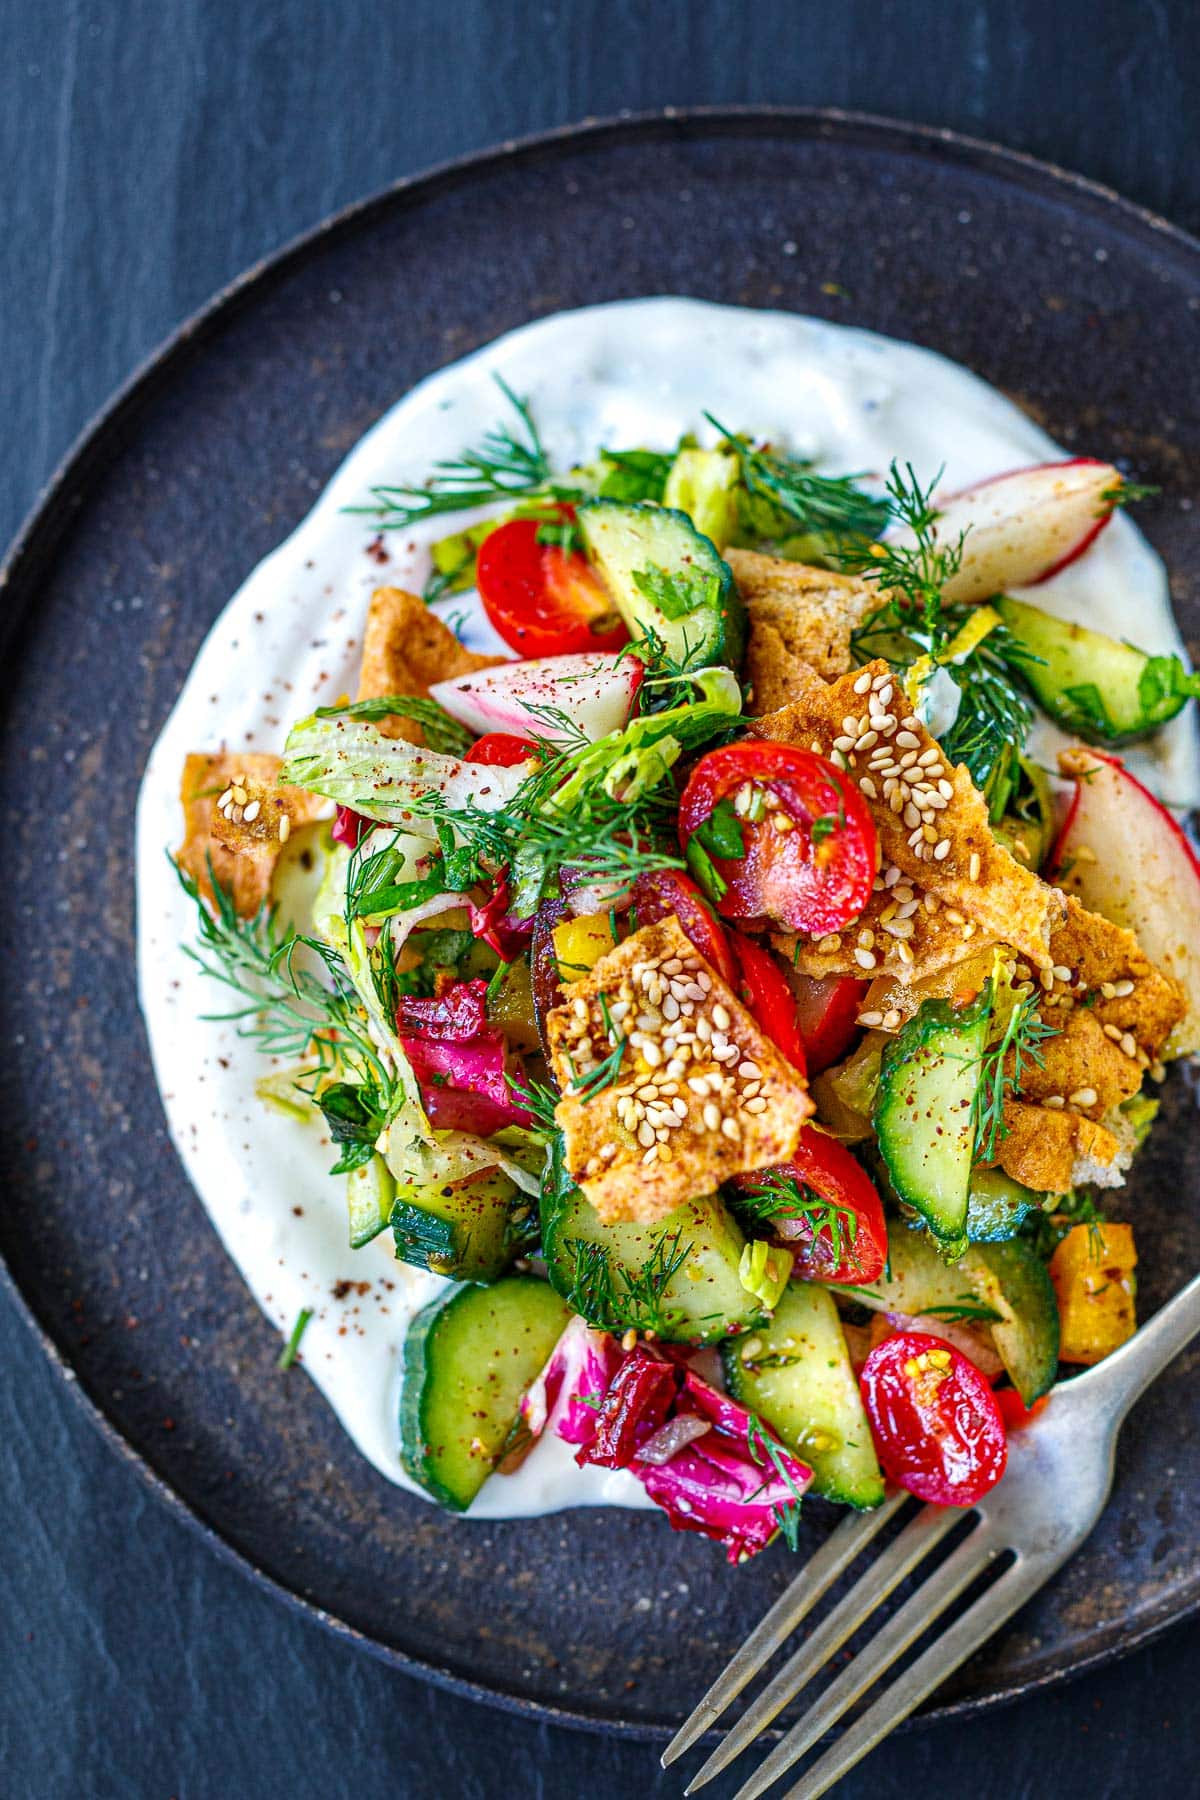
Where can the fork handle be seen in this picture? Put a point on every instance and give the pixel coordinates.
(1126, 1374)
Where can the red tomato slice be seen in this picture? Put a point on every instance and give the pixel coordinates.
(764, 987)
(670, 894)
(935, 1421)
(827, 1014)
(542, 601)
(1013, 1409)
(501, 750)
(815, 874)
(856, 1253)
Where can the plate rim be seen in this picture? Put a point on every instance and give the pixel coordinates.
(48, 520)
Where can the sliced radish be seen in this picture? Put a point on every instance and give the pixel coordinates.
(1125, 857)
(595, 691)
(1025, 526)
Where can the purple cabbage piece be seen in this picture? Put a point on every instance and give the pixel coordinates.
(463, 1085)
(566, 1395)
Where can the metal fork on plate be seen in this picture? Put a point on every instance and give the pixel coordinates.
(1060, 1471)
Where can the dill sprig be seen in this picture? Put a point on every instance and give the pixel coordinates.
(510, 461)
(1003, 1068)
(963, 1309)
(538, 1099)
(776, 1195)
(830, 506)
(763, 1450)
(913, 568)
(285, 1009)
(607, 1072)
(616, 1298)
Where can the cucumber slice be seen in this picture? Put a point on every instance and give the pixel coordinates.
(1104, 691)
(1008, 1279)
(370, 1191)
(797, 1376)
(1012, 1278)
(666, 578)
(468, 1358)
(998, 1206)
(608, 1272)
(924, 1112)
(459, 1228)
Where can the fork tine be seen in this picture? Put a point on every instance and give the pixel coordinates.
(835, 1555)
(872, 1662)
(914, 1543)
(947, 1653)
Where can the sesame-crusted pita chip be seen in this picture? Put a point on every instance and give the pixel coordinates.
(932, 821)
(800, 620)
(1051, 1151)
(243, 850)
(748, 1117)
(406, 649)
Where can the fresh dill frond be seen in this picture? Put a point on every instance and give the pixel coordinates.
(912, 568)
(510, 461)
(616, 1298)
(963, 1309)
(832, 507)
(1003, 1069)
(776, 1195)
(607, 1072)
(763, 1451)
(537, 1098)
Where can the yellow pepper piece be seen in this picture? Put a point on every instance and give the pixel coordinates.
(580, 943)
(511, 1007)
(1092, 1272)
(970, 635)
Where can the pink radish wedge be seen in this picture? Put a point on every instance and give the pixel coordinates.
(595, 691)
(1025, 526)
(1124, 856)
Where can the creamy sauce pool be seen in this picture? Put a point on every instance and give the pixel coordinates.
(639, 372)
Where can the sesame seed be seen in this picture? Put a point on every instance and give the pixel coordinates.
(1128, 1044)
(240, 796)
(896, 800)
(783, 823)
(749, 1071)
(974, 866)
(864, 958)
(721, 1018)
(912, 817)
(712, 1116)
(891, 1020)
(868, 787)
(870, 1020)
(928, 757)
(285, 828)
(1121, 989)
(226, 799)
(850, 724)
(731, 1129)
(844, 744)
(884, 691)
(908, 759)
(1061, 972)
(968, 930)
(252, 811)
(1054, 1101)
(863, 682)
(651, 1053)
(1113, 1032)
(935, 802)
(829, 943)
(837, 759)
(908, 739)
(1085, 1096)
(916, 837)
(907, 908)
(929, 833)
(941, 849)
(652, 1155)
(755, 1105)
(899, 928)
(903, 951)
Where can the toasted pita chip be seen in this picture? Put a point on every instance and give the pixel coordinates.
(243, 850)
(406, 649)
(939, 837)
(749, 1116)
(800, 620)
(1053, 1151)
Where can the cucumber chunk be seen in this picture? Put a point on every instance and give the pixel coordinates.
(797, 1376)
(1007, 1279)
(1104, 691)
(998, 1206)
(370, 1191)
(924, 1112)
(459, 1228)
(612, 1274)
(468, 1358)
(1012, 1278)
(666, 578)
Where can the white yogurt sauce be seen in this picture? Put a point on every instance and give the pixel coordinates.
(638, 372)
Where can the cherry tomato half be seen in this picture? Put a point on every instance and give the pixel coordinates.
(853, 1250)
(827, 1015)
(542, 601)
(667, 893)
(808, 839)
(764, 987)
(501, 750)
(935, 1421)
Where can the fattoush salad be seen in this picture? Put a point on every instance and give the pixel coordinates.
(716, 992)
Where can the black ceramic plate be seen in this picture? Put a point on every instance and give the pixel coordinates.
(1083, 309)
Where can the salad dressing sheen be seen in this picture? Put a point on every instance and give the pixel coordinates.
(634, 373)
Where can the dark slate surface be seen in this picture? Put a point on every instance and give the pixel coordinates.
(150, 152)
